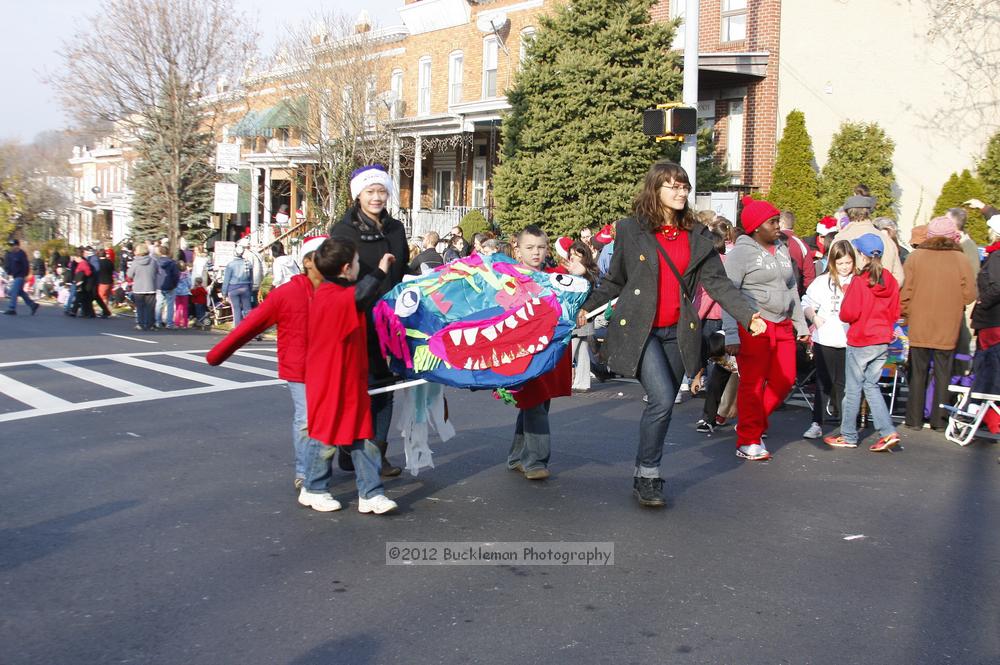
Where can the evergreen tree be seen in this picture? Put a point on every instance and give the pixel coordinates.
(573, 147)
(989, 171)
(860, 153)
(711, 174)
(159, 192)
(957, 190)
(794, 184)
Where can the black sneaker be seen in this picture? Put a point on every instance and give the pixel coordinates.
(704, 426)
(649, 492)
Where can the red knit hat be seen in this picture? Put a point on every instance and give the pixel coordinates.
(562, 247)
(605, 235)
(826, 226)
(756, 213)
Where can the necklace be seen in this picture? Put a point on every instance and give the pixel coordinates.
(670, 232)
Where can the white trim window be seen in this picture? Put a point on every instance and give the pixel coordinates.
(443, 188)
(527, 36)
(424, 86)
(734, 140)
(479, 182)
(677, 10)
(734, 20)
(491, 57)
(371, 94)
(346, 108)
(396, 88)
(455, 62)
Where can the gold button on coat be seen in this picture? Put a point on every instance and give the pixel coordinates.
(622, 322)
(642, 257)
(692, 326)
(637, 292)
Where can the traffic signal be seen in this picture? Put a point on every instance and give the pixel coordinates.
(671, 121)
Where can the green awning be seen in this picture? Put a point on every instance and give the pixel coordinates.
(250, 125)
(286, 113)
(241, 178)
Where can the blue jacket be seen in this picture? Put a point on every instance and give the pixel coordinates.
(15, 263)
(167, 274)
(238, 273)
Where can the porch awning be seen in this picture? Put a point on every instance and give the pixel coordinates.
(251, 125)
(286, 113)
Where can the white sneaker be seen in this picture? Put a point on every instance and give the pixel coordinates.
(753, 452)
(378, 504)
(323, 503)
(814, 432)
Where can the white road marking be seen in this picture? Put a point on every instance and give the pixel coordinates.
(251, 354)
(106, 380)
(33, 397)
(101, 356)
(174, 371)
(134, 339)
(228, 365)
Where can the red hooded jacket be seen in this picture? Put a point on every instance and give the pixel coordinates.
(287, 307)
(872, 311)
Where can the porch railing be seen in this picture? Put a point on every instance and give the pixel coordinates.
(421, 222)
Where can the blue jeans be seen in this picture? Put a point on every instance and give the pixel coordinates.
(17, 289)
(381, 411)
(68, 307)
(165, 301)
(532, 440)
(145, 303)
(864, 367)
(660, 372)
(239, 298)
(300, 436)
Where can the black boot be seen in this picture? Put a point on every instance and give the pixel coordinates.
(388, 470)
(344, 460)
(649, 492)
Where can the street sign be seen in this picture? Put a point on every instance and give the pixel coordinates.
(227, 195)
(224, 253)
(227, 158)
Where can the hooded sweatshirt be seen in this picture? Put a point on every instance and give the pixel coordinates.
(939, 284)
(142, 270)
(768, 280)
(871, 311)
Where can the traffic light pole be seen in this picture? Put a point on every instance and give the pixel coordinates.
(689, 152)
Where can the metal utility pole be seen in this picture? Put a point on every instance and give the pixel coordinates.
(689, 151)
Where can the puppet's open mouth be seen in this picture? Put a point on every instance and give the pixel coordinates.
(503, 344)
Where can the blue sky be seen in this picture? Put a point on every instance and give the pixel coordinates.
(37, 29)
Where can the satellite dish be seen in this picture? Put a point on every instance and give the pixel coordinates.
(491, 22)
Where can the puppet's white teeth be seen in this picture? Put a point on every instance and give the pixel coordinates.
(499, 326)
(468, 364)
(536, 301)
(522, 314)
(505, 358)
(470, 335)
(489, 332)
(496, 360)
(456, 336)
(477, 365)
(543, 340)
(531, 349)
(531, 310)
(511, 322)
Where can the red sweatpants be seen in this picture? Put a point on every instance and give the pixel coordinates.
(767, 374)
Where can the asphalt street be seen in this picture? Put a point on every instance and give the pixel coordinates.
(165, 530)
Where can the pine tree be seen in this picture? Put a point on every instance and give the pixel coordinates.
(957, 190)
(712, 175)
(989, 171)
(573, 147)
(860, 153)
(795, 185)
(155, 187)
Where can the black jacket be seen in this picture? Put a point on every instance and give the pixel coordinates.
(372, 243)
(986, 313)
(428, 257)
(634, 279)
(15, 263)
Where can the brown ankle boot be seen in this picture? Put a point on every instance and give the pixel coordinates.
(388, 470)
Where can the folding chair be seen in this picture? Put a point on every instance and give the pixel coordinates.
(965, 421)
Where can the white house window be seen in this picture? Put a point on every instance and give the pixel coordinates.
(677, 8)
(455, 62)
(479, 182)
(734, 20)
(396, 88)
(346, 107)
(490, 57)
(442, 188)
(370, 101)
(424, 86)
(527, 36)
(734, 140)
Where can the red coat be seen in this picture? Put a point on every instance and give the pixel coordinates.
(337, 401)
(557, 382)
(872, 311)
(287, 307)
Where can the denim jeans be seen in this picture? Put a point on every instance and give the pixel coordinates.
(71, 300)
(165, 308)
(239, 298)
(16, 289)
(301, 441)
(660, 372)
(145, 303)
(381, 411)
(532, 440)
(863, 369)
(367, 468)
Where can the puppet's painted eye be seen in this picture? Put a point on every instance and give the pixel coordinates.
(569, 283)
(407, 302)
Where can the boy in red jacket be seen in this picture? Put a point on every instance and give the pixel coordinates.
(871, 307)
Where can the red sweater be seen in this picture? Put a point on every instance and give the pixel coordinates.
(286, 307)
(557, 382)
(872, 311)
(668, 306)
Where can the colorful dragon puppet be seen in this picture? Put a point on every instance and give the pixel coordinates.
(479, 322)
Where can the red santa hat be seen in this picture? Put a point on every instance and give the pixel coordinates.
(826, 226)
(311, 243)
(562, 247)
(605, 235)
(756, 213)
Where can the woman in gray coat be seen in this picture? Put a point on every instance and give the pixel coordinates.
(655, 333)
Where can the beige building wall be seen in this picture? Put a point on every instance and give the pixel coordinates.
(871, 60)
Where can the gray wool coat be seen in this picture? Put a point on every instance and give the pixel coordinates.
(634, 279)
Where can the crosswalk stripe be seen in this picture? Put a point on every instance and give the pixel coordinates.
(227, 365)
(175, 371)
(251, 354)
(85, 374)
(33, 397)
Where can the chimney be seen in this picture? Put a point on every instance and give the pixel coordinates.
(363, 23)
